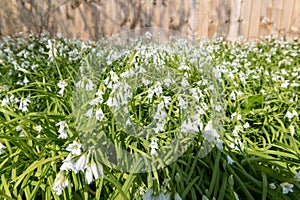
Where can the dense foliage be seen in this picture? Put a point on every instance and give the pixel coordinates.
(254, 150)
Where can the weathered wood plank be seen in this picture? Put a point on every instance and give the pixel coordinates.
(203, 18)
(295, 23)
(224, 18)
(193, 18)
(276, 17)
(234, 19)
(286, 19)
(213, 18)
(254, 20)
(245, 18)
(265, 18)
(174, 13)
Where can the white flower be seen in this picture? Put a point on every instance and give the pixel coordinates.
(232, 96)
(286, 187)
(74, 148)
(181, 102)
(285, 84)
(52, 50)
(189, 126)
(161, 196)
(63, 129)
(167, 100)
(236, 130)
(38, 128)
(145, 82)
(184, 83)
(112, 102)
(238, 116)
(292, 130)
(60, 183)
(24, 102)
(99, 114)
(80, 84)
(19, 128)
(1, 148)
(62, 85)
(93, 172)
(183, 67)
(153, 145)
(25, 81)
(90, 85)
(68, 164)
(219, 144)
(158, 89)
(218, 108)
(114, 77)
(159, 126)
(81, 163)
(237, 144)
(297, 176)
(210, 134)
(89, 113)
(246, 125)
(291, 115)
(229, 160)
(272, 186)
(5, 101)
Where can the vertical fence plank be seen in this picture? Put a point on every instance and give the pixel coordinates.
(234, 19)
(184, 17)
(203, 18)
(154, 13)
(265, 21)
(245, 18)
(213, 18)
(295, 25)
(286, 18)
(193, 17)
(145, 11)
(164, 13)
(224, 18)
(276, 17)
(136, 23)
(174, 15)
(254, 20)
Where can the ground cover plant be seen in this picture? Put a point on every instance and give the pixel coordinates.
(253, 134)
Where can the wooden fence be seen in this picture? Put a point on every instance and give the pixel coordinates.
(90, 19)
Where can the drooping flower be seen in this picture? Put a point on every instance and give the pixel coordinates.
(62, 84)
(60, 183)
(229, 160)
(81, 163)
(153, 145)
(2, 147)
(297, 176)
(287, 187)
(93, 172)
(99, 114)
(24, 103)
(63, 129)
(25, 81)
(292, 130)
(89, 113)
(68, 164)
(210, 134)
